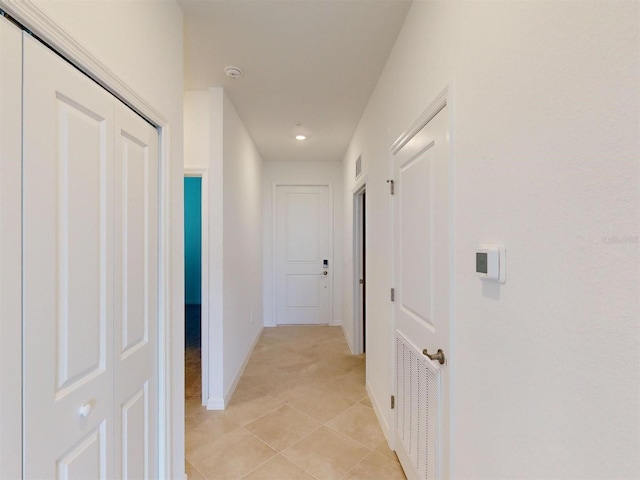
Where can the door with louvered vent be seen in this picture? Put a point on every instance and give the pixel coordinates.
(422, 273)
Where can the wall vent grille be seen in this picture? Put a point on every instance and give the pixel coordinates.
(417, 393)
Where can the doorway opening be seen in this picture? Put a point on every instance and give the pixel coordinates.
(359, 270)
(193, 286)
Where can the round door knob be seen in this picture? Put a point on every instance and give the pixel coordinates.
(325, 273)
(85, 410)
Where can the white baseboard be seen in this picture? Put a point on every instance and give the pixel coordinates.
(347, 336)
(215, 403)
(220, 403)
(383, 419)
(234, 384)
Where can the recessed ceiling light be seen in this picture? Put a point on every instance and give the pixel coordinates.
(300, 137)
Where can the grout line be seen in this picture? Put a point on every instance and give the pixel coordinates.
(261, 416)
(287, 344)
(196, 469)
(267, 460)
(292, 461)
(349, 438)
(302, 438)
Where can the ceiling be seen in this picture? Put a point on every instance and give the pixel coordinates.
(308, 62)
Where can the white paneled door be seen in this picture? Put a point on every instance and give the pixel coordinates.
(303, 233)
(422, 274)
(90, 256)
(136, 296)
(10, 248)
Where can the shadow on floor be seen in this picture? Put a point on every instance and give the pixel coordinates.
(192, 352)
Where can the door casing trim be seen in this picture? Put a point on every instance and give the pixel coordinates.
(274, 246)
(205, 317)
(444, 99)
(357, 238)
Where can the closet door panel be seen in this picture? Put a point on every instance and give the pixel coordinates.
(136, 296)
(67, 267)
(10, 250)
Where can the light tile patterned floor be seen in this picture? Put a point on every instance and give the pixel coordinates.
(300, 411)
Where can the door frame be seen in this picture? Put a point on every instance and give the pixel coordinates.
(205, 317)
(358, 244)
(170, 350)
(444, 99)
(10, 252)
(274, 245)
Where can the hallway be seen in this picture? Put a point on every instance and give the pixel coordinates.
(300, 411)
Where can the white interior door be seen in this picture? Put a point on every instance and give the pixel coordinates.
(90, 278)
(422, 272)
(303, 233)
(359, 272)
(68, 272)
(136, 296)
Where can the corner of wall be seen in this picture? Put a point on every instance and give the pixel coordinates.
(216, 403)
(349, 338)
(232, 387)
(383, 418)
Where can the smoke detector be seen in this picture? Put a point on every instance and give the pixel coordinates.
(232, 72)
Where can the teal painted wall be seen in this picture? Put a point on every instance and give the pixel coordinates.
(192, 240)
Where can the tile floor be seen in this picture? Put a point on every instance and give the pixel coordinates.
(300, 411)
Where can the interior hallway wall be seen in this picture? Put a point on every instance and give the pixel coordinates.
(301, 173)
(545, 369)
(120, 34)
(242, 243)
(217, 141)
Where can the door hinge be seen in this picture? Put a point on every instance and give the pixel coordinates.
(391, 183)
(393, 294)
(393, 402)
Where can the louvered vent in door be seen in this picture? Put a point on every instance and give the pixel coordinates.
(418, 390)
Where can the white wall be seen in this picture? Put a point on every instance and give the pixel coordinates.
(301, 173)
(196, 129)
(203, 121)
(545, 369)
(217, 142)
(141, 43)
(242, 224)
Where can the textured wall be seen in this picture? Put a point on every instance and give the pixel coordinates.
(545, 369)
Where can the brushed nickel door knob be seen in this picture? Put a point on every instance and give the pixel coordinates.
(439, 356)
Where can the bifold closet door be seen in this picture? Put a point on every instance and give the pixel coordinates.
(68, 270)
(10, 249)
(90, 266)
(136, 296)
